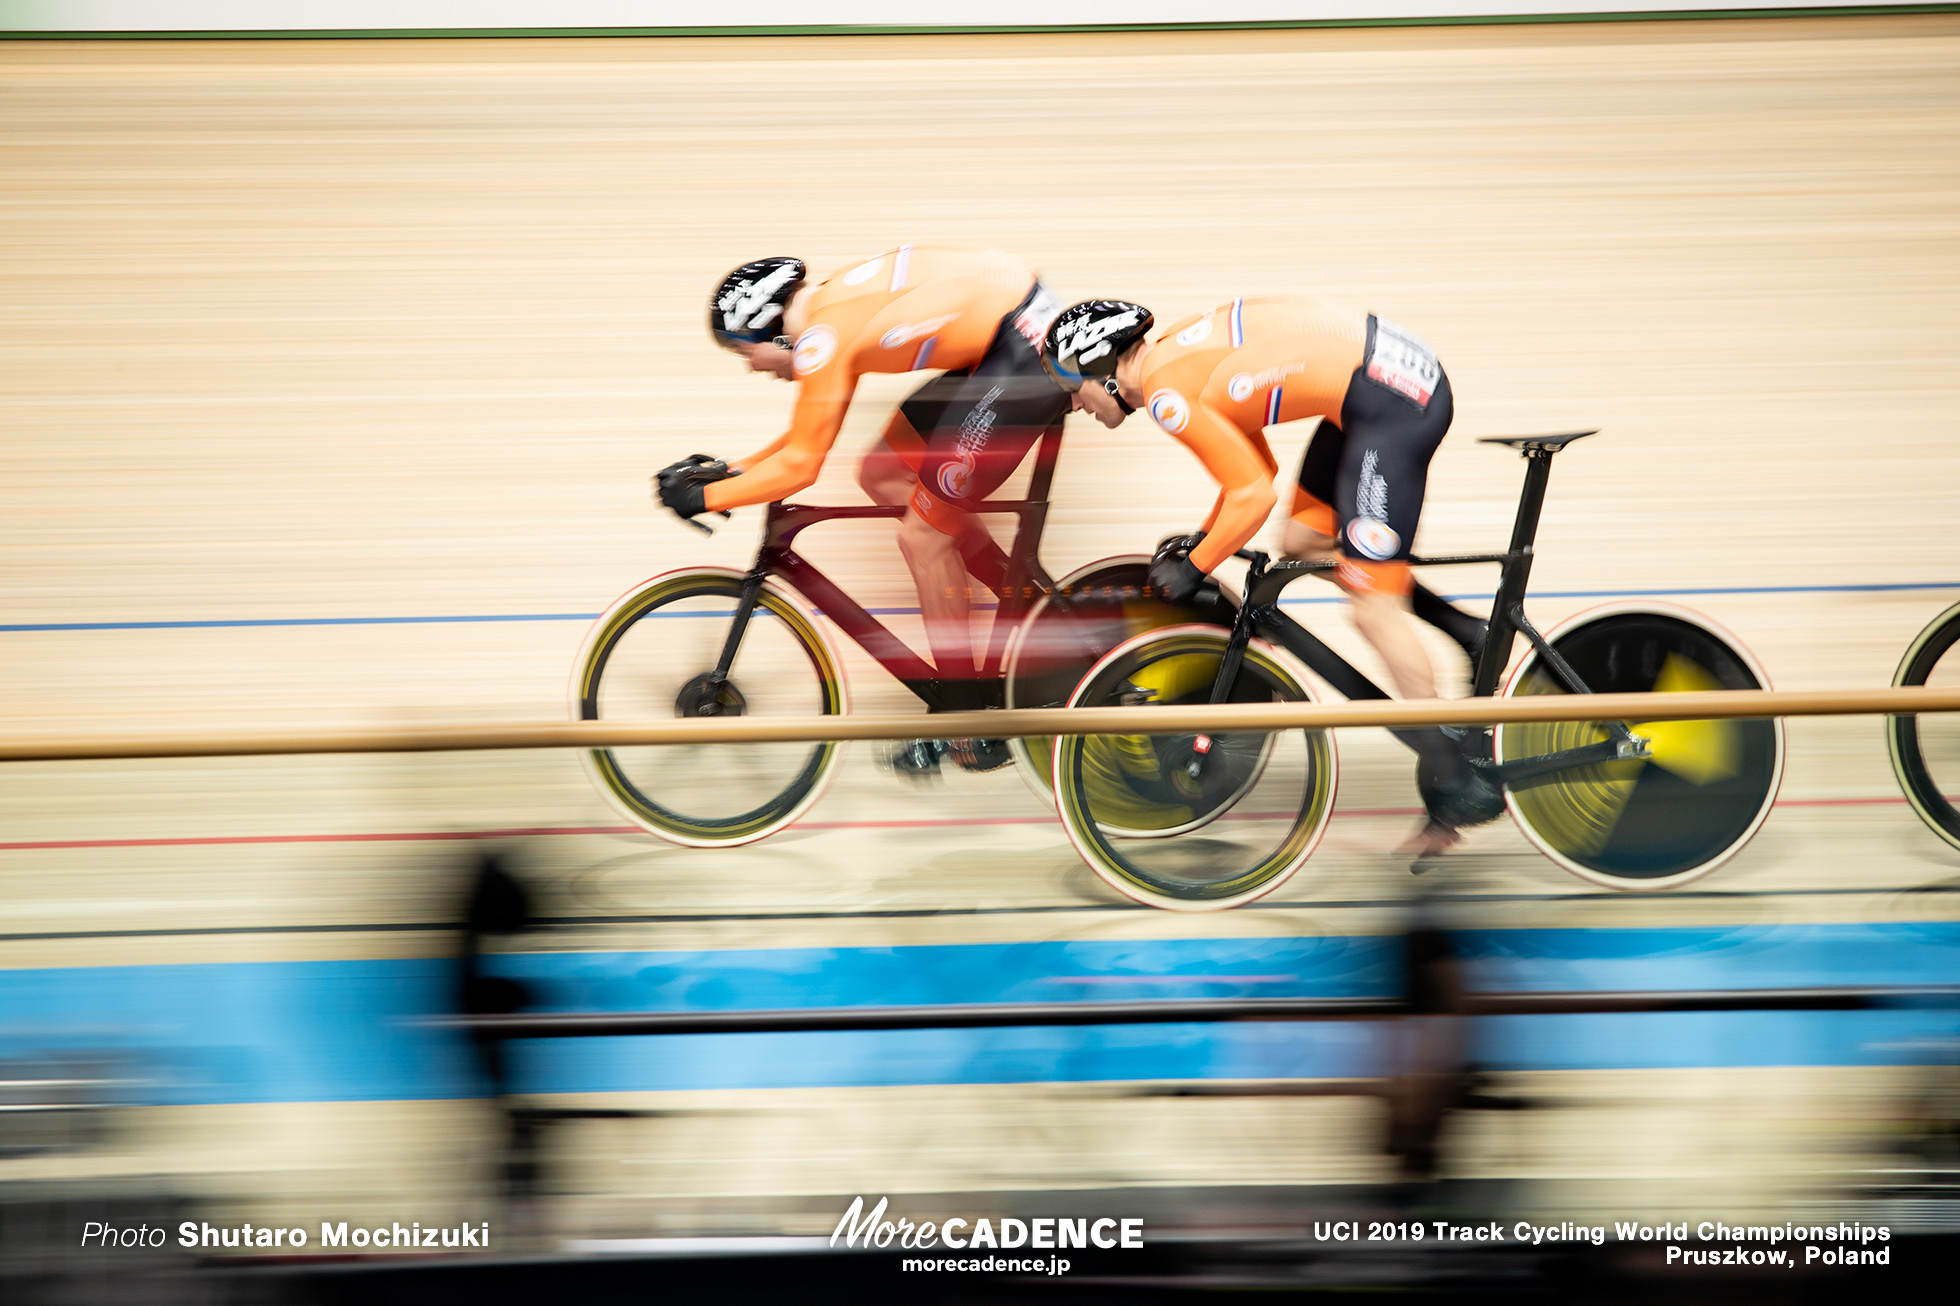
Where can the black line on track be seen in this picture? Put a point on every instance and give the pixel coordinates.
(193, 932)
(917, 913)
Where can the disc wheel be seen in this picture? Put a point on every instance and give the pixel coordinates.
(1662, 820)
(1261, 799)
(652, 657)
(1926, 749)
(1068, 630)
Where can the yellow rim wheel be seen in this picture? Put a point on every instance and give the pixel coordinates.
(1193, 821)
(649, 658)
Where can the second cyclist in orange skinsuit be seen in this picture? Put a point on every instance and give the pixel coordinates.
(1215, 382)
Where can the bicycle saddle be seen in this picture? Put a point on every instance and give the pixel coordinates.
(1549, 443)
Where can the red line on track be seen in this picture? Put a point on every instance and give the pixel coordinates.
(407, 836)
(542, 831)
(1841, 802)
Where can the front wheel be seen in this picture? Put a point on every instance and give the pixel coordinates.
(1071, 628)
(652, 656)
(1662, 820)
(1926, 749)
(1192, 821)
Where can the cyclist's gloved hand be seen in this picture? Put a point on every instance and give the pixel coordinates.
(1173, 573)
(682, 487)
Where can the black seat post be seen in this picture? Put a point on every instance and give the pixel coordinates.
(1537, 451)
(1517, 570)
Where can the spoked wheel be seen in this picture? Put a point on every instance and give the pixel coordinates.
(1926, 749)
(1134, 805)
(1090, 611)
(652, 657)
(1658, 821)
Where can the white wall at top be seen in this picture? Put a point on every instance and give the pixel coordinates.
(327, 15)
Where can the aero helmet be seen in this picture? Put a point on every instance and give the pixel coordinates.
(748, 306)
(1088, 338)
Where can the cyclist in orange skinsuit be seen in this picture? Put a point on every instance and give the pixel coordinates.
(980, 315)
(1215, 382)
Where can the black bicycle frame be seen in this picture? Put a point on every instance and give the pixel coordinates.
(1260, 614)
(1014, 577)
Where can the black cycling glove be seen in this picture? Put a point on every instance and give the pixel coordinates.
(682, 487)
(1173, 573)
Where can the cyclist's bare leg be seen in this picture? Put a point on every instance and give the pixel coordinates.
(940, 573)
(1302, 543)
(886, 477)
(933, 558)
(1387, 622)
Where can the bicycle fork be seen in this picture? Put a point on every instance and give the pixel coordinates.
(703, 695)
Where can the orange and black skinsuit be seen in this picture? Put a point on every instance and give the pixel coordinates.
(1216, 381)
(980, 315)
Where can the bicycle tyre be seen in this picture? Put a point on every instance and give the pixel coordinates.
(1645, 824)
(1054, 646)
(1902, 735)
(1087, 766)
(807, 768)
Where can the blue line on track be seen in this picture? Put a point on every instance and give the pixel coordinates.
(241, 623)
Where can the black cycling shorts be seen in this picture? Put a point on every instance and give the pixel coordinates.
(1372, 466)
(978, 423)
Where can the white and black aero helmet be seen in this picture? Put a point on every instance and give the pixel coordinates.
(1088, 338)
(747, 307)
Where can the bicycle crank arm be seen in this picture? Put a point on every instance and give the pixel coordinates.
(1607, 750)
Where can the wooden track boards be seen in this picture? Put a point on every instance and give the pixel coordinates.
(329, 331)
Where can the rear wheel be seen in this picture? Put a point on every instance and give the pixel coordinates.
(1133, 804)
(1068, 630)
(652, 657)
(1926, 749)
(1659, 821)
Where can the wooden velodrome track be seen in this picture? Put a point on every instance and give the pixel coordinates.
(302, 335)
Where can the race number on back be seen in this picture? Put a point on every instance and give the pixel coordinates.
(1403, 363)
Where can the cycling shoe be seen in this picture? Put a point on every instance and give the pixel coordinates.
(978, 755)
(1456, 792)
(919, 759)
(915, 759)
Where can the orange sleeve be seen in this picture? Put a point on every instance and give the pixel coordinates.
(1242, 467)
(767, 450)
(825, 382)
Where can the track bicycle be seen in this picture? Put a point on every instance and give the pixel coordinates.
(1626, 804)
(716, 642)
(1926, 749)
